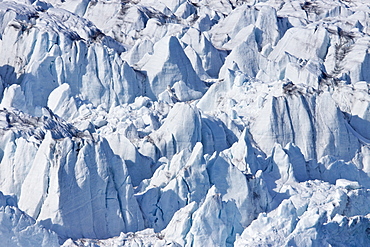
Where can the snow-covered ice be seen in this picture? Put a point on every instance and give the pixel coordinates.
(185, 123)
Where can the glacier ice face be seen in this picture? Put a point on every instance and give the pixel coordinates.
(174, 185)
(306, 225)
(181, 130)
(59, 197)
(184, 123)
(167, 65)
(142, 238)
(211, 58)
(19, 229)
(70, 177)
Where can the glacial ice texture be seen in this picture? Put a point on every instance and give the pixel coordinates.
(185, 123)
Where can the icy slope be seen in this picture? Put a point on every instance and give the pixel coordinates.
(184, 123)
(19, 229)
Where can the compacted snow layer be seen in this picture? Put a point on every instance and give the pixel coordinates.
(185, 123)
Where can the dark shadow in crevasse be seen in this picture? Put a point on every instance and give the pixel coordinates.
(8, 74)
(8, 77)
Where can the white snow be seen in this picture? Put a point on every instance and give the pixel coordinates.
(184, 123)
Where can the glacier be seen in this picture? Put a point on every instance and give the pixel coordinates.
(184, 123)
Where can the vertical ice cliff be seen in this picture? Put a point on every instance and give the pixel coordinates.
(184, 123)
(70, 182)
(44, 48)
